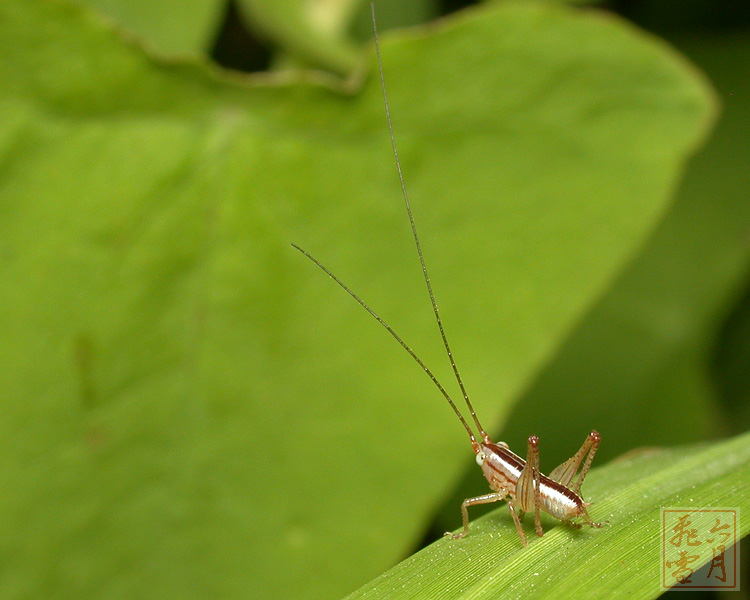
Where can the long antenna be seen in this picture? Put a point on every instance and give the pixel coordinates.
(473, 439)
(485, 437)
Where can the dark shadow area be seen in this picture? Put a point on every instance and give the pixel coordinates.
(236, 47)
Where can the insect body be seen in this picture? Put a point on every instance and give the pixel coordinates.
(526, 489)
(520, 483)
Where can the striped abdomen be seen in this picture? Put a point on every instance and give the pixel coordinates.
(502, 469)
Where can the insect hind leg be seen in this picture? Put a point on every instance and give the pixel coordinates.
(528, 488)
(587, 520)
(566, 472)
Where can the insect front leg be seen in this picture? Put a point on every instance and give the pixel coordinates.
(528, 488)
(565, 473)
(485, 499)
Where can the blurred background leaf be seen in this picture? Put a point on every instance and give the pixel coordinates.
(651, 340)
(192, 411)
(169, 27)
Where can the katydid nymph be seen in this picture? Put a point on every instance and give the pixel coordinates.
(519, 482)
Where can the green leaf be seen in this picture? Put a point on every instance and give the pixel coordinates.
(183, 28)
(649, 344)
(190, 409)
(621, 560)
(313, 33)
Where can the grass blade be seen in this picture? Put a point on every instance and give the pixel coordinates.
(622, 560)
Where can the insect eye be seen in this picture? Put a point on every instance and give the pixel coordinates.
(480, 458)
